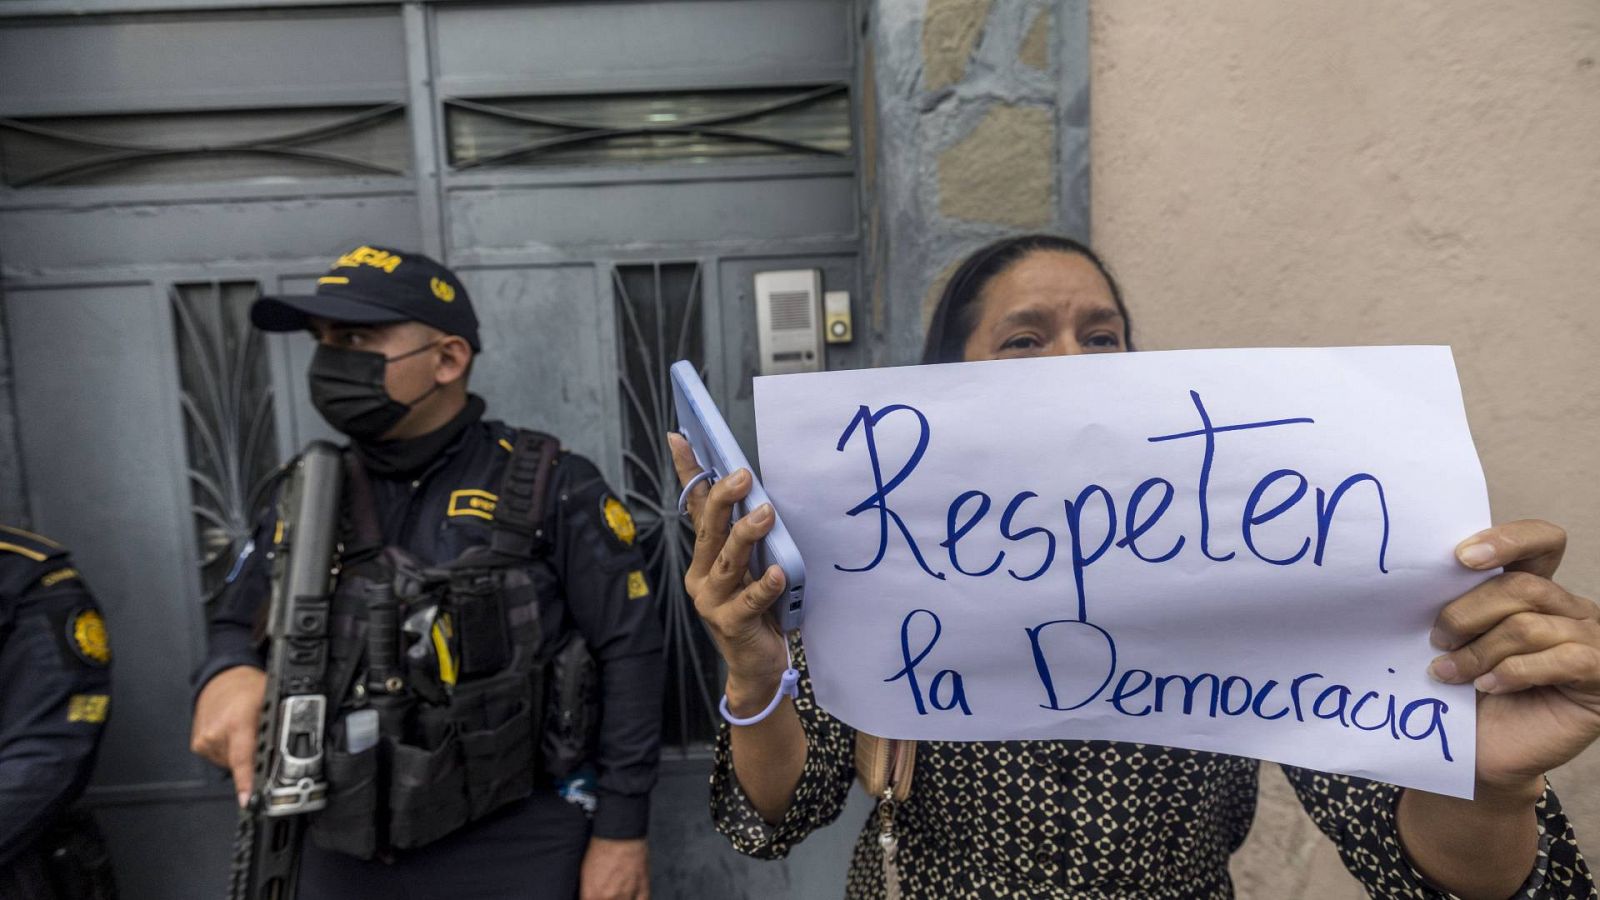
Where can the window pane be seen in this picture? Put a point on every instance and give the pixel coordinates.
(659, 321)
(228, 425)
(703, 126)
(171, 148)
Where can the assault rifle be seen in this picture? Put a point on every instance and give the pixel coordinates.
(289, 778)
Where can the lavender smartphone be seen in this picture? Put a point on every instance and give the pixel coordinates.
(715, 449)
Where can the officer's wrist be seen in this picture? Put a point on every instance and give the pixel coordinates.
(621, 817)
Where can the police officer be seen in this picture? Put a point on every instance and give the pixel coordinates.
(55, 681)
(429, 482)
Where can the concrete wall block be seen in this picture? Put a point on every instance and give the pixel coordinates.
(1281, 174)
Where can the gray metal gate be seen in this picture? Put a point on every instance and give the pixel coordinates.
(606, 176)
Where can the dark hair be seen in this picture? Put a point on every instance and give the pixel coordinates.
(957, 312)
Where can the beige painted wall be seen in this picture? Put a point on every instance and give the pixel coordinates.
(1301, 173)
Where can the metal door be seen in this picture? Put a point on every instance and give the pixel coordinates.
(606, 176)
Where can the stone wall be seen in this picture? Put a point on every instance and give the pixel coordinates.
(979, 129)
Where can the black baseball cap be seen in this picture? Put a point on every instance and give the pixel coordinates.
(375, 286)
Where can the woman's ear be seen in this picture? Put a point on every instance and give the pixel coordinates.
(455, 359)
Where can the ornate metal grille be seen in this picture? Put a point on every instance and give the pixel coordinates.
(678, 126)
(203, 146)
(660, 322)
(227, 417)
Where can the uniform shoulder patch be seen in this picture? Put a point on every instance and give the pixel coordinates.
(27, 544)
(638, 586)
(86, 635)
(59, 575)
(618, 519)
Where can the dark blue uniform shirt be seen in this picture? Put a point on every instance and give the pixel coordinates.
(444, 508)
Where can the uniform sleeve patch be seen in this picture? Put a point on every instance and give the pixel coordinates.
(637, 585)
(618, 519)
(473, 502)
(86, 635)
(91, 708)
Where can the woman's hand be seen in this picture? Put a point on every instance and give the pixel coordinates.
(1532, 648)
(733, 606)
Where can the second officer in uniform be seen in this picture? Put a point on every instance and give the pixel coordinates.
(55, 696)
(513, 563)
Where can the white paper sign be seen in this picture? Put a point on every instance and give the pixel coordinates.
(1238, 551)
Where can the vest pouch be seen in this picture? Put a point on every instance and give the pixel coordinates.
(348, 824)
(572, 716)
(497, 724)
(427, 792)
(480, 623)
(499, 769)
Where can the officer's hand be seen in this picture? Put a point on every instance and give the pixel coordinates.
(615, 870)
(225, 721)
(733, 605)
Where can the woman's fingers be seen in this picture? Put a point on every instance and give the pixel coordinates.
(683, 460)
(1531, 545)
(1571, 665)
(733, 561)
(1517, 637)
(759, 595)
(1474, 613)
(753, 649)
(712, 524)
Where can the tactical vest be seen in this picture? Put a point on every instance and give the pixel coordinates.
(475, 683)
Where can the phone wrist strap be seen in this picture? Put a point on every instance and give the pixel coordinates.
(788, 686)
(683, 498)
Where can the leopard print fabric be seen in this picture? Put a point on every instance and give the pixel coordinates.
(1089, 819)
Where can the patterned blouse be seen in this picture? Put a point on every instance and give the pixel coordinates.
(1089, 819)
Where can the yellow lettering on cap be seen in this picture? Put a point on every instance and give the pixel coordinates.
(442, 290)
(369, 256)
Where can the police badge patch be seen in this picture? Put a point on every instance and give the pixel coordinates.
(86, 635)
(618, 519)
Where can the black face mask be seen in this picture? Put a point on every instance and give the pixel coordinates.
(347, 388)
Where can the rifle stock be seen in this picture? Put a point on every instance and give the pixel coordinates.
(288, 778)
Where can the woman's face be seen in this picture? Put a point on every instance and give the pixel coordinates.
(1048, 303)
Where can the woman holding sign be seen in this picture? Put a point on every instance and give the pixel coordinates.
(1103, 819)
